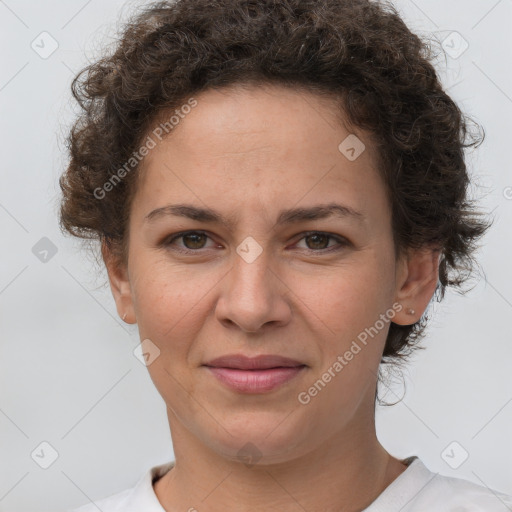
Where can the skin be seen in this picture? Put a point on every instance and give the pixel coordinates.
(250, 153)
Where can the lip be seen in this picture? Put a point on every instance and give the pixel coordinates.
(255, 381)
(261, 362)
(254, 374)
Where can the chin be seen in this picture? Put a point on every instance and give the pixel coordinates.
(260, 438)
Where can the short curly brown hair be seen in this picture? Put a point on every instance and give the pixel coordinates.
(358, 51)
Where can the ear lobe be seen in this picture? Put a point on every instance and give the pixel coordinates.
(416, 284)
(119, 285)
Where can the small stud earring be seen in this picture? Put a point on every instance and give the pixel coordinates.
(411, 311)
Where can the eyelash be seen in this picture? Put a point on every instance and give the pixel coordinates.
(342, 243)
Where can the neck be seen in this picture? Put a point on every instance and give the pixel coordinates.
(346, 473)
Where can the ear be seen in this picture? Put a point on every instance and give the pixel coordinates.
(120, 285)
(417, 277)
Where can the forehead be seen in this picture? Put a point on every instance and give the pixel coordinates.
(264, 144)
(239, 115)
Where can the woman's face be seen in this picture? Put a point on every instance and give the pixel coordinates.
(277, 272)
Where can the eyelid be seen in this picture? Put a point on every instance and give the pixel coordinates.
(176, 236)
(342, 242)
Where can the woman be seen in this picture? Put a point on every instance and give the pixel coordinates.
(279, 190)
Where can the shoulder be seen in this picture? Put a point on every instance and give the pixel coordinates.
(456, 494)
(140, 497)
(425, 490)
(115, 503)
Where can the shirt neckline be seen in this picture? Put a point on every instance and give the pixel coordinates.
(404, 488)
(395, 496)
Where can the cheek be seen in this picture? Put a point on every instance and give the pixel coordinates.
(171, 306)
(345, 299)
(350, 339)
(170, 303)
(346, 305)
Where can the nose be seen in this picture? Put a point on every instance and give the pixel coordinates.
(253, 296)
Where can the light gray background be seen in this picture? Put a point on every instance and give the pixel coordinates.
(68, 375)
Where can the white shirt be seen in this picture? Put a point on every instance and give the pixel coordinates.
(417, 489)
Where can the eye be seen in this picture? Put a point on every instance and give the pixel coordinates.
(316, 241)
(192, 241)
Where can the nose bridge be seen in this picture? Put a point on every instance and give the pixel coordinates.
(252, 296)
(250, 269)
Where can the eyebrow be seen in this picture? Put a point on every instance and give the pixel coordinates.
(290, 216)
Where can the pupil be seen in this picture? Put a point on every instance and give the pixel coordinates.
(195, 243)
(323, 238)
